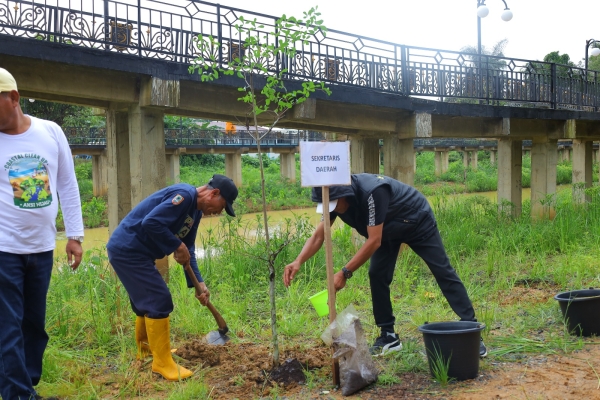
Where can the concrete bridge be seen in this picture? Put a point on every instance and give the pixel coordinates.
(131, 58)
(92, 142)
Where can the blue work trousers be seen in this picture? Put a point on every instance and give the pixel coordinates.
(24, 281)
(148, 292)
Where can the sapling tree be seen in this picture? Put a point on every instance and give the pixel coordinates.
(258, 61)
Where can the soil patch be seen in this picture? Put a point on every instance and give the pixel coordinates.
(241, 371)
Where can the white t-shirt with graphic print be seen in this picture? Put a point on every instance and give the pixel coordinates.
(36, 167)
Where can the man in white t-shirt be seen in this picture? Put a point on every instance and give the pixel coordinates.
(36, 168)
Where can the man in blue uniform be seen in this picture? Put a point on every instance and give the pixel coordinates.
(387, 213)
(165, 222)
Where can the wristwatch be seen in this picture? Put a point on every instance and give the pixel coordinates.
(347, 273)
(77, 238)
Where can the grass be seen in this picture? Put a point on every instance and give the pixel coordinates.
(512, 267)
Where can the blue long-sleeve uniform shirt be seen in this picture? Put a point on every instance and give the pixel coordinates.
(157, 226)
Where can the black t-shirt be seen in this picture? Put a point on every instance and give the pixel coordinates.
(377, 206)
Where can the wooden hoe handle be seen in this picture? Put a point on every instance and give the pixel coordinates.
(223, 329)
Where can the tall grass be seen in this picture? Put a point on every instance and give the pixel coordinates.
(511, 267)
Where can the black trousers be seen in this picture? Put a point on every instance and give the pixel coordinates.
(431, 250)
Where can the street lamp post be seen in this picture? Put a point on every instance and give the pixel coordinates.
(482, 12)
(595, 51)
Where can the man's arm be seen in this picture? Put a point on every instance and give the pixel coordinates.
(70, 201)
(312, 245)
(362, 255)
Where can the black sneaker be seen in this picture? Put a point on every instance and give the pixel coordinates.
(385, 344)
(482, 349)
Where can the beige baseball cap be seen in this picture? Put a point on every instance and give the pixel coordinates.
(7, 82)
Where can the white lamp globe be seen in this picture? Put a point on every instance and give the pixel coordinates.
(506, 15)
(595, 52)
(482, 11)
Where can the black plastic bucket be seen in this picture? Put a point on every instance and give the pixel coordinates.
(456, 341)
(581, 311)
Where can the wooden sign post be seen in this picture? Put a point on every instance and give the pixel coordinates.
(325, 164)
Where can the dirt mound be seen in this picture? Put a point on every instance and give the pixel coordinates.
(243, 370)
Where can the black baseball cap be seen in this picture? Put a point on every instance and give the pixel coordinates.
(227, 189)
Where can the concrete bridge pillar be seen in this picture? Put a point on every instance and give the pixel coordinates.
(119, 182)
(100, 174)
(173, 166)
(233, 167)
(438, 163)
(372, 156)
(357, 150)
(543, 177)
(441, 162)
(582, 170)
(466, 156)
(364, 155)
(287, 166)
(474, 159)
(399, 159)
(135, 153)
(147, 140)
(509, 176)
(493, 155)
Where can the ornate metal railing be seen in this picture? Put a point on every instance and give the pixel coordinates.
(171, 30)
(189, 137)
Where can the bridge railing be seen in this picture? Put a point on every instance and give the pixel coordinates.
(189, 137)
(172, 30)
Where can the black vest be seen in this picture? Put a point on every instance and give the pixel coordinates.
(409, 215)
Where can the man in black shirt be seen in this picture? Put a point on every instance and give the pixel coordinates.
(387, 213)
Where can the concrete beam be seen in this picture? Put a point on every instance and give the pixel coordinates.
(580, 129)
(305, 110)
(155, 92)
(540, 128)
(469, 127)
(68, 83)
(416, 125)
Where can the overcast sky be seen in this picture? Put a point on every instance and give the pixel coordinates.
(537, 28)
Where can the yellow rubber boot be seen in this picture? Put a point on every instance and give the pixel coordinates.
(163, 363)
(141, 338)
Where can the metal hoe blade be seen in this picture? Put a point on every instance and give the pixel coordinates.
(217, 339)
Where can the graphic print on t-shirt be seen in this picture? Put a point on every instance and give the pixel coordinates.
(29, 180)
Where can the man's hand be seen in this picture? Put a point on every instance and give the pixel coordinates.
(204, 296)
(74, 253)
(339, 280)
(182, 254)
(289, 272)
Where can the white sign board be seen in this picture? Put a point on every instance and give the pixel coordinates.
(325, 163)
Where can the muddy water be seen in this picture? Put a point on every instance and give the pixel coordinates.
(97, 237)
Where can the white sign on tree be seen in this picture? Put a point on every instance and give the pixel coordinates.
(324, 163)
